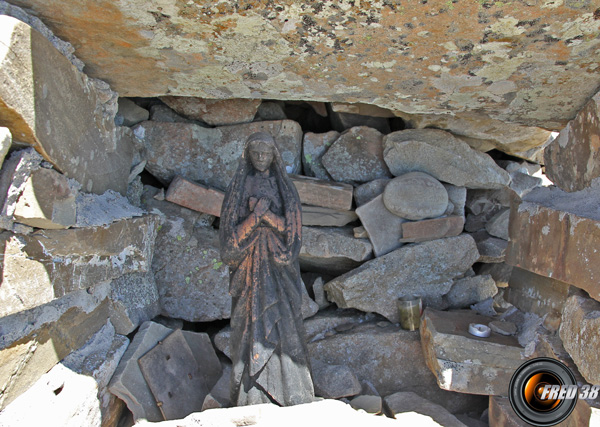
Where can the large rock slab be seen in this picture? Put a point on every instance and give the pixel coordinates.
(383, 227)
(215, 112)
(51, 263)
(465, 363)
(555, 234)
(41, 90)
(425, 269)
(573, 159)
(415, 196)
(314, 145)
(35, 340)
(580, 333)
(442, 156)
(211, 155)
(356, 156)
(333, 251)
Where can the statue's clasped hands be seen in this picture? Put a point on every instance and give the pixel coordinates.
(259, 206)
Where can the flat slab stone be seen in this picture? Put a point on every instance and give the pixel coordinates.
(432, 229)
(573, 159)
(195, 196)
(555, 234)
(491, 249)
(317, 192)
(425, 269)
(465, 363)
(326, 217)
(383, 227)
(442, 156)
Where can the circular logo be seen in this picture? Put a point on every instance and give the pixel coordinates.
(543, 392)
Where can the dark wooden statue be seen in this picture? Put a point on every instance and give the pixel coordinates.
(260, 235)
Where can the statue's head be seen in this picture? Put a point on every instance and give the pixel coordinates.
(260, 150)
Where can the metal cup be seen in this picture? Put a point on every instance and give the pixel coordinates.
(410, 309)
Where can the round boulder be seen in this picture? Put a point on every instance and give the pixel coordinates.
(416, 196)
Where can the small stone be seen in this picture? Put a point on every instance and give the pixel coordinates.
(270, 110)
(457, 197)
(130, 113)
(366, 192)
(314, 145)
(319, 293)
(522, 183)
(432, 229)
(334, 381)
(369, 404)
(219, 396)
(499, 271)
(497, 225)
(503, 328)
(442, 156)
(471, 290)
(195, 196)
(357, 155)
(134, 300)
(415, 196)
(215, 112)
(491, 249)
(326, 217)
(360, 232)
(383, 227)
(316, 192)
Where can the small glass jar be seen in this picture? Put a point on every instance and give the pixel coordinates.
(410, 309)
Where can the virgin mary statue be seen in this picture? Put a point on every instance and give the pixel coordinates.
(260, 235)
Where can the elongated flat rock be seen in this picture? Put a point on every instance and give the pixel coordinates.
(327, 194)
(195, 196)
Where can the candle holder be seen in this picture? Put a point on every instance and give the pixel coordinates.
(410, 309)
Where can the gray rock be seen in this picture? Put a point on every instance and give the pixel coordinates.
(130, 113)
(491, 249)
(326, 217)
(384, 228)
(471, 290)
(133, 301)
(95, 210)
(219, 396)
(162, 113)
(314, 145)
(457, 197)
(415, 196)
(424, 269)
(500, 272)
(503, 328)
(331, 250)
(210, 156)
(366, 192)
(497, 225)
(368, 403)
(270, 110)
(522, 183)
(215, 112)
(334, 381)
(319, 293)
(356, 156)
(331, 321)
(443, 156)
(87, 147)
(5, 143)
(407, 401)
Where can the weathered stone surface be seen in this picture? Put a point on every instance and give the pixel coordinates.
(332, 250)
(332, 321)
(497, 225)
(424, 269)
(215, 112)
(133, 301)
(5, 143)
(381, 355)
(211, 156)
(502, 415)
(522, 183)
(334, 381)
(432, 229)
(457, 196)
(316, 192)
(503, 328)
(129, 113)
(318, 290)
(270, 111)
(356, 156)
(537, 294)
(368, 403)
(314, 145)
(342, 121)
(491, 249)
(463, 362)
(192, 281)
(219, 396)
(561, 229)
(195, 196)
(41, 89)
(360, 232)
(580, 334)
(573, 159)
(95, 210)
(162, 113)
(499, 271)
(128, 382)
(471, 290)
(35, 340)
(442, 156)
(47, 201)
(325, 217)
(384, 228)
(415, 196)
(407, 401)
(366, 192)
(51, 263)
